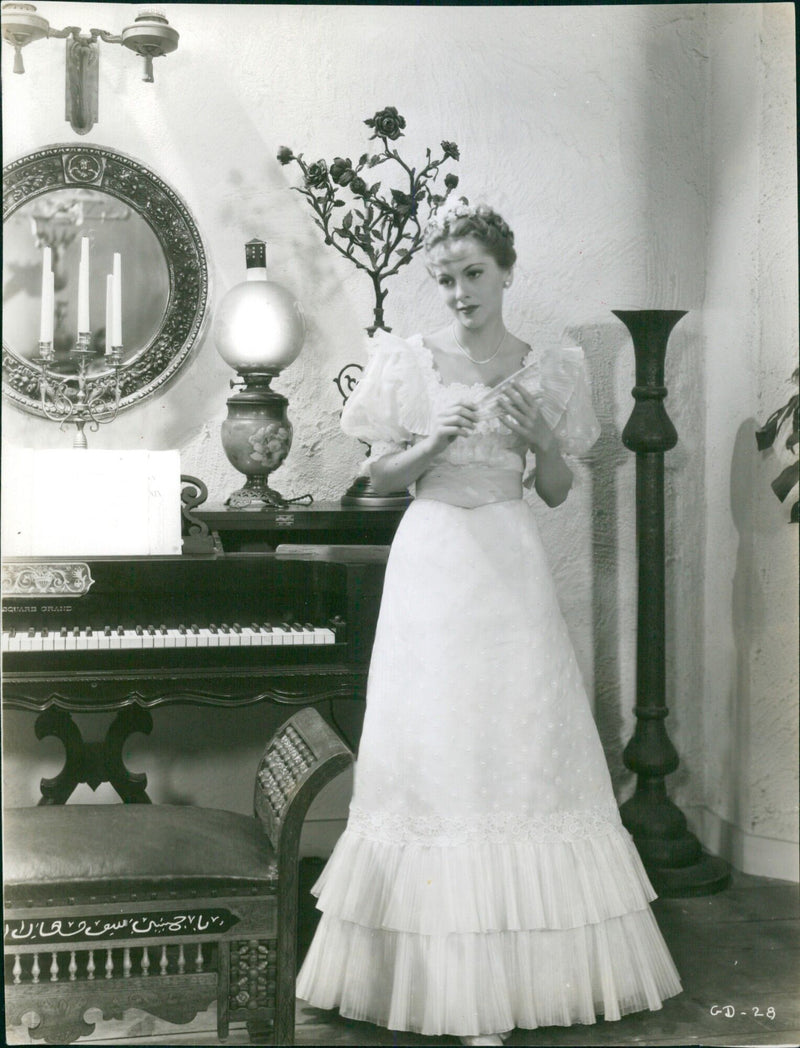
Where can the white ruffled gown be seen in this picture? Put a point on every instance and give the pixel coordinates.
(484, 880)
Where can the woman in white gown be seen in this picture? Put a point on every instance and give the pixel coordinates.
(484, 880)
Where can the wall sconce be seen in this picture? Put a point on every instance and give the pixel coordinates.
(150, 36)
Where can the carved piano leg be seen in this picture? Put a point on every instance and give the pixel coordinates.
(60, 724)
(92, 762)
(131, 786)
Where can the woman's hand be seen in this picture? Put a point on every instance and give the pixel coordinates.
(519, 412)
(454, 420)
(398, 469)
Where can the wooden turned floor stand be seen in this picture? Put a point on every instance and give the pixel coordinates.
(673, 857)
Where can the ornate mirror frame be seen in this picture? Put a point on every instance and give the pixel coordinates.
(94, 167)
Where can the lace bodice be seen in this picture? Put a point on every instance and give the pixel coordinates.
(401, 391)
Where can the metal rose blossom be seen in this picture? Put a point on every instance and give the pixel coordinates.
(387, 123)
(379, 232)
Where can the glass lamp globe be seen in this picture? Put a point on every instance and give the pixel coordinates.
(259, 325)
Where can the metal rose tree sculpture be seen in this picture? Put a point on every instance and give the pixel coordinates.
(378, 230)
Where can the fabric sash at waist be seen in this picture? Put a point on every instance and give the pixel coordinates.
(469, 486)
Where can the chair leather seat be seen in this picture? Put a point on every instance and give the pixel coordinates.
(97, 852)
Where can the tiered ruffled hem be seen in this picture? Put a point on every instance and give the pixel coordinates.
(478, 983)
(474, 939)
(483, 887)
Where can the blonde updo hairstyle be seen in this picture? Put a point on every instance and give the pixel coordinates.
(480, 222)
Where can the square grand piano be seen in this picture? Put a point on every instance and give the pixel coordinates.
(272, 606)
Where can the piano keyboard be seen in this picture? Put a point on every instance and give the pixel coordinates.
(119, 638)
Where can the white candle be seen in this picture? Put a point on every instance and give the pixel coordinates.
(83, 288)
(109, 311)
(44, 324)
(116, 329)
(48, 307)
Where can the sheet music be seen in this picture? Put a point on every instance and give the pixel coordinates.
(101, 503)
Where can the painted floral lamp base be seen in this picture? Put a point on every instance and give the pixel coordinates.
(256, 436)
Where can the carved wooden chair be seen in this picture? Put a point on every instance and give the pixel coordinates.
(161, 907)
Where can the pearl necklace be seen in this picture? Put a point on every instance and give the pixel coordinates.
(468, 355)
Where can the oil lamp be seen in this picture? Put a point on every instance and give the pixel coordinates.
(259, 330)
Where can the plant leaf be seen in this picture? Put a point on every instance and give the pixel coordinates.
(786, 480)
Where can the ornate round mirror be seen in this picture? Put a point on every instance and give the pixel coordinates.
(53, 198)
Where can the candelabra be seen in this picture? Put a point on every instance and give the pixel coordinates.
(90, 396)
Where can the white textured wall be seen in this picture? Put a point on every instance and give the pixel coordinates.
(588, 127)
(750, 672)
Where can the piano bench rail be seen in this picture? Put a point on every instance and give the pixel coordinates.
(164, 908)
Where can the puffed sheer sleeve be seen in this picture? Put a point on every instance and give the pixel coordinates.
(389, 406)
(566, 399)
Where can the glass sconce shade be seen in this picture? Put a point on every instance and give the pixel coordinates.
(150, 36)
(22, 26)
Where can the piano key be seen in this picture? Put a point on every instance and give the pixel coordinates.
(132, 639)
(237, 631)
(318, 633)
(300, 634)
(228, 638)
(255, 636)
(267, 634)
(289, 633)
(200, 637)
(158, 637)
